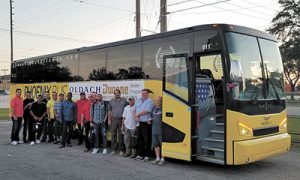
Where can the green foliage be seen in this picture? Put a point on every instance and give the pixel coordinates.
(286, 27)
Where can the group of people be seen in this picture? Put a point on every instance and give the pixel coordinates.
(135, 125)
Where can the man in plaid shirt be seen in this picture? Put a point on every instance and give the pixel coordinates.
(57, 122)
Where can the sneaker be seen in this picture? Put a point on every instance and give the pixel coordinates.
(62, 146)
(113, 153)
(32, 143)
(146, 159)
(121, 153)
(138, 158)
(38, 141)
(95, 151)
(104, 151)
(55, 142)
(155, 162)
(161, 162)
(20, 142)
(132, 156)
(127, 154)
(69, 145)
(14, 143)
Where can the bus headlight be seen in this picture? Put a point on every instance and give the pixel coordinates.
(244, 130)
(283, 124)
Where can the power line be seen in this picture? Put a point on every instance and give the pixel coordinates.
(249, 9)
(198, 6)
(49, 36)
(180, 2)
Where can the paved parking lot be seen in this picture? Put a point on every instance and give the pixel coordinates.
(47, 161)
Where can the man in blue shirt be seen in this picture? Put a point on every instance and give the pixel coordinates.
(68, 112)
(143, 108)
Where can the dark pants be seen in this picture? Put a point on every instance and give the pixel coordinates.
(44, 129)
(58, 127)
(87, 127)
(100, 131)
(116, 135)
(33, 133)
(144, 139)
(67, 132)
(16, 127)
(25, 127)
(50, 129)
(80, 133)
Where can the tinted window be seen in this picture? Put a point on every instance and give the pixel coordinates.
(154, 50)
(92, 62)
(207, 40)
(125, 61)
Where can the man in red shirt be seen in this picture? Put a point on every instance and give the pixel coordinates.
(16, 105)
(83, 119)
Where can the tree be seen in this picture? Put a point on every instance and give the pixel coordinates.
(286, 27)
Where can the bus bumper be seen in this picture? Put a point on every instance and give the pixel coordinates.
(256, 149)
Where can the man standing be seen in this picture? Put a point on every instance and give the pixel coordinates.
(143, 108)
(51, 116)
(68, 115)
(17, 110)
(82, 115)
(116, 108)
(45, 132)
(38, 111)
(156, 119)
(58, 122)
(26, 116)
(98, 113)
(129, 125)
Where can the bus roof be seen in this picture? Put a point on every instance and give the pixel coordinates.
(219, 27)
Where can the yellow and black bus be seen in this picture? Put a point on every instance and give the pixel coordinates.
(222, 87)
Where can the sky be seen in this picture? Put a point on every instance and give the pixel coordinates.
(48, 26)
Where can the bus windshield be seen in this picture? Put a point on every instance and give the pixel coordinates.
(257, 75)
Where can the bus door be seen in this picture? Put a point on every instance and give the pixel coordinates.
(176, 127)
(208, 94)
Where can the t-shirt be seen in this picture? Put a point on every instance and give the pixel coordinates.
(26, 110)
(129, 121)
(50, 105)
(17, 104)
(38, 109)
(83, 107)
(156, 120)
(117, 107)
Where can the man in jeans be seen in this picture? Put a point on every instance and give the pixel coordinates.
(17, 110)
(143, 108)
(58, 122)
(38, 111)
(26, 116)
(68, 112)
(98, 116)
(115, 112)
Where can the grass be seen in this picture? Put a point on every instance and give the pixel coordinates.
(4, 114)
(294, 127)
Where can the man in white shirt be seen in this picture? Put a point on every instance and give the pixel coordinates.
(129, 126)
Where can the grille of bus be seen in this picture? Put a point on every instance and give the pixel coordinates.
(265, 131)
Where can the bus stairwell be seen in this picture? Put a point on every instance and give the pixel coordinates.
(209, 144)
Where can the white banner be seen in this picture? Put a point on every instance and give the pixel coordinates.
(127, 88)
(4, 101)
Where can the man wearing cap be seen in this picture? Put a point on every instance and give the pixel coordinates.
(143, 108)
(68, 116)
(129, 125)
(82, 116)
(115, 111)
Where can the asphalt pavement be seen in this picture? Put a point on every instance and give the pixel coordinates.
(46, 161)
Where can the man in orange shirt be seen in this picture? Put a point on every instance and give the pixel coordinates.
(83, 119)
(16, 105)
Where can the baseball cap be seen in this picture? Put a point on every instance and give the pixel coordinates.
(130, 98)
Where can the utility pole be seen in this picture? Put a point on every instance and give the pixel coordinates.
(138, 18)
(11, 32)
(163, 15)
